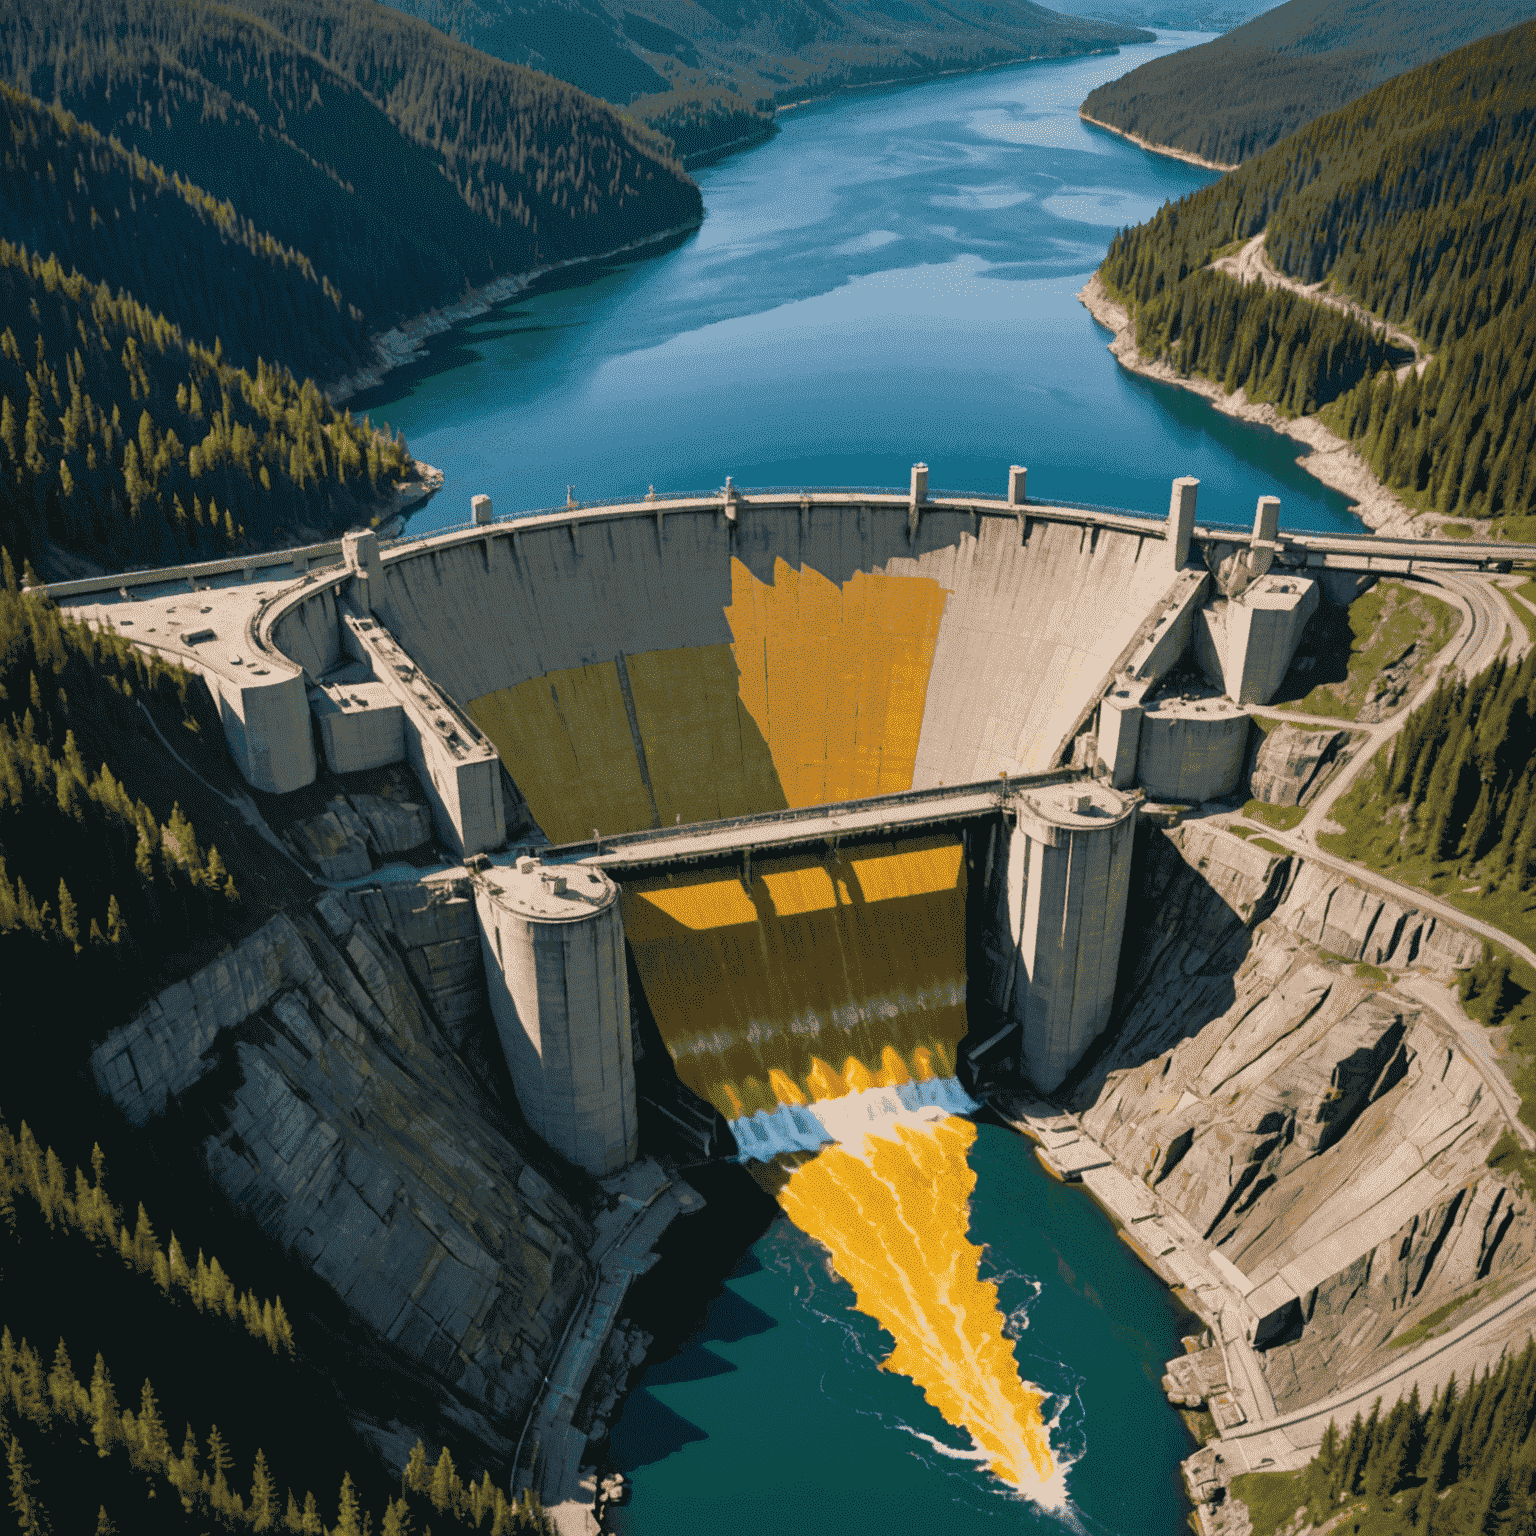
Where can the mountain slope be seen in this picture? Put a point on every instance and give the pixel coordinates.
(402, 165)
(708, 71)
(1419, 201)
(1230, 99)
(118, 218)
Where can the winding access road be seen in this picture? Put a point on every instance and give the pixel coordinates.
(1252, 264)
(1489, 629)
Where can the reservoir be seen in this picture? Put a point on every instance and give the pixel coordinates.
(933, 1335)
(891, 278)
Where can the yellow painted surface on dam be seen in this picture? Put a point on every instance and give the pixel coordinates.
(820, 698)
(566, 741)
(894, 1214)
(836, 677)
(807, 986)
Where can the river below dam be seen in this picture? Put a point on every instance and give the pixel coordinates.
(934, 1335)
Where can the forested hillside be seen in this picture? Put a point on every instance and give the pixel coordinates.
(1419, 200)
(1230, 99)
(142, 1390)
(120, 219)
(121, 439)
(709, 73)
(402, 165)
(1462, 1465)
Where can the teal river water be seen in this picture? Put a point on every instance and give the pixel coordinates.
(891, 278)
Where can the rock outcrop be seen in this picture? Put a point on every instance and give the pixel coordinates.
(1291, 764)
(322, 1048)
(353, 833)
(1326, 1135)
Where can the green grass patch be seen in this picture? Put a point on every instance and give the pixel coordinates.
(1282, 817)
(1265, 723)
(1426, 1326)
(1526, 590)
(1520, 530)
(1455, 530)
(1373, 974)
(1269, 845)
(1510, 1157)
(1343, 652)
(1272, 1498)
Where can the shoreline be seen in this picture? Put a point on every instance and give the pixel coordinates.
(406, 342)
(944, 74)
(1332, 461)
(1157, 149)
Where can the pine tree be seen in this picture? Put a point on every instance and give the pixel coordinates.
(445, 1482)
(262, 1509)
(416, 1477)
(69, 917)
(106, 1417)
(349, 1517)
(31, 1518)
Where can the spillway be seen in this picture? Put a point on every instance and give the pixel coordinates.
(660, 667)
(827, 976)
(821, 1008)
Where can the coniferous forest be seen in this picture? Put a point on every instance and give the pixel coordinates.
(1419, 201)
(1462, 1465)
(217, 207)
(1231, 98)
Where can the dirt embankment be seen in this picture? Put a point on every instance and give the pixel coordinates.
(1157, 149)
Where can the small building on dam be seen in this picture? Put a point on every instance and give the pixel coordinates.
(824, 792)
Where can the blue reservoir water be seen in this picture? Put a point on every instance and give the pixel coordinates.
(891, 278)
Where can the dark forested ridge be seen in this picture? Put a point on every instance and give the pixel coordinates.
(121, 439)
(119, 219)
(218, 202)
(711, 72)
(1419, 200)
(1230, 99)
(402, 165)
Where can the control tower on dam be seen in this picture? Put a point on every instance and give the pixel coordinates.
(738, 680)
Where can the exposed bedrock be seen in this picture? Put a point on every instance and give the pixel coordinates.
(322, 1051)
(1291, 764)
(1329, 1138)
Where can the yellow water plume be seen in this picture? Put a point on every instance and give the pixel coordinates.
(894, 1214)
(825, 977)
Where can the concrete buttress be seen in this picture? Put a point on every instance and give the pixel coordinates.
(553, 942)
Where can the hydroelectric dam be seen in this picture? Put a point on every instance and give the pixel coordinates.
(826, 797)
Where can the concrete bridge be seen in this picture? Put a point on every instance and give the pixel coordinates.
(730, 676)
(806, 827)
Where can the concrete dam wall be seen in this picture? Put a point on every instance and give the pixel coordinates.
(634, 671)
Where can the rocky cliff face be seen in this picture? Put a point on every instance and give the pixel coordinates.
(1291, 764)
(323, 1047)
(1326, 1134)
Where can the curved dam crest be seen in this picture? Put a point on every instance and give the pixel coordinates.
(679, 668)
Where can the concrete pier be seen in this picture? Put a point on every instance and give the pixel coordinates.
(1069, 869)
(553, 943)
